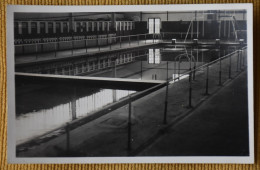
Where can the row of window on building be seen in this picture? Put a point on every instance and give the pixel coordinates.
(52, 27)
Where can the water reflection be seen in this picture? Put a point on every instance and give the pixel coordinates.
(39, 122)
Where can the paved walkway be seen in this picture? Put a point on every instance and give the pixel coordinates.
(210, 130)
(107, 135)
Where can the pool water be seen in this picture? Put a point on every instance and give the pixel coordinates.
(44, 109)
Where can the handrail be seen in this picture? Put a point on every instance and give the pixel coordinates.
(209, 63)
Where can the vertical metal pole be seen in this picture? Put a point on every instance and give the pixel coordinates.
(195, 65)
(191, 35)
(207, 81)
(190, 90)
(219, 33)
(120, 42)
(129, 124)
(141, 69)
(165, 104)
(138, 39)
(68, 138)
(129, 38)
(111, 41)
(115, 69)
(86, 45)
(55, 50)
(167, 69)
(166, 97)
(98, 43)
(238, 56)
(179, 70)
(202, 56)
(197, 29)
(219, 83)
(241, 59)
(174, 70)
(73, 102)
(36, 51)
(203, 24)
(229, 69)
(145, 38)
(107, 40)
(72, 52)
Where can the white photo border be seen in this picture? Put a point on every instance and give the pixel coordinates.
(11, 152)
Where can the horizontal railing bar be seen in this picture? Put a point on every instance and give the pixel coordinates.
(207, 64)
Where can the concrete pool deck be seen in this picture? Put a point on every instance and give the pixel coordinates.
(210, 130)
(107, 135)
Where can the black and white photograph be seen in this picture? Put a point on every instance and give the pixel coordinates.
(130, 84)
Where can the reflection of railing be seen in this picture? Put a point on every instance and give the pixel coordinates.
(89, 43)
(235, 61)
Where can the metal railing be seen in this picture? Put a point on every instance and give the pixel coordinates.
(91, 45)
(235, 63)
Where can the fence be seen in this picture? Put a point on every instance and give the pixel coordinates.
(145, 120)
(83, 44)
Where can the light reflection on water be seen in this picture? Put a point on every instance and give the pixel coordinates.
(37, 123)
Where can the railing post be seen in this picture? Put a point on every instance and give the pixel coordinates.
(107, 40)
(129, 38)
(179, 65)
(194, 71)
(190, 91)
(36, 51)
(86, 45)
(111, 41)
(114, 68)
(229, 69)
(238, 56)
(145, 38)
(72, 43)
(174, 70)
(219, 82)
(166, 97)
(138, 39)
(55, 50)
(190, 75)
(98, 43)
(241, 42)
(120, 42)
(167, 69)
(241, 59)
(141, 69)
(129, 124)
(207, 81)
(195, 65)
(67, 128)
